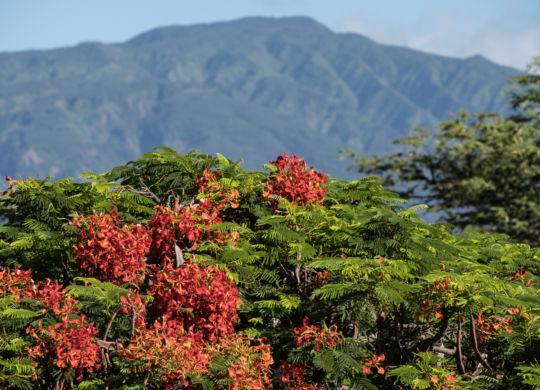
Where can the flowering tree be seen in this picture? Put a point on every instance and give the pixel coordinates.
(186, 271)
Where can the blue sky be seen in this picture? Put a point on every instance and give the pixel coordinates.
(507, 32)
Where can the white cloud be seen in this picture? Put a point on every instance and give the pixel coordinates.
(514, 50)
(456, 35)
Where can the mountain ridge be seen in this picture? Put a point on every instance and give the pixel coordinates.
(261, 86)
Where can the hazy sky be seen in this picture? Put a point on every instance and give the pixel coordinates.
(507, 32)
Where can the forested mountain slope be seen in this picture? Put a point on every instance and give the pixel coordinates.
(249, 88)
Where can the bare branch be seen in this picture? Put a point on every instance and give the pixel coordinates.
(442, 349)
(144, 192)
(298, 266)
(424, 345)
(474, 341)
(459, 354)
(179, 255)
(109, 324)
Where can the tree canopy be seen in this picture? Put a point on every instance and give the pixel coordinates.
(482, 171)
(188, 272)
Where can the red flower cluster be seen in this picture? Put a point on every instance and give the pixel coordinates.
(201, 299)
(436, 291)
(71, 342)
(521, 276)
(439, 286)
(374, 362)
(444, 383)
(176, 353)
(208, 214)
(187, 226)
(109, 251)
(53, 296)
(319, 279)
(182, 355)
(307, 334)
(197, 306)
(294, 182)
(210, 189)
(488, 326)
(133, 305)
(251, 363)
(11, 183)
(14, 281)
(169, 226)
(294, 376)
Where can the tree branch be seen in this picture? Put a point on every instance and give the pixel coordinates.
(459, 354)
(474, 341)
(442, 349)
(144, 192)
(381, 325)
(110, 324)
(105, 345)
(179, 255)
(424, 345)
(298, 266)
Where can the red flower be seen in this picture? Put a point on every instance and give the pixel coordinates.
(294, 376)
(210, 188)
(436, 293)
(14, 281)
(71, 342)
(307, 334)
(53, 296)
(110, 251)
(186, 226)
(199, 298)
(520, 275)
(294, 182)
(373, 362)
(179, 353)
(491, 325)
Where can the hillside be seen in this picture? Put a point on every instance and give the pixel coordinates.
(249, 88)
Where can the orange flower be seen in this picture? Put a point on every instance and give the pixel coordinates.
(451, 379)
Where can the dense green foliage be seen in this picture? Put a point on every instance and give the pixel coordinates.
(526, 95)
(482, 171)
(275, 84)
(391, 301)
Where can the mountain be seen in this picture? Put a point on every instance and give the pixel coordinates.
(249, 88)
